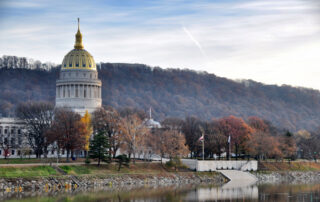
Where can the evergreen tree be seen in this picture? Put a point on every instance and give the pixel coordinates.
(99, 147)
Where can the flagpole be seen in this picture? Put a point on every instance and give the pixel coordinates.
(229, 147)
(203, 146)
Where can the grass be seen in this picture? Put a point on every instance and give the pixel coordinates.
(289, 166)
(112, 169)
(138, 170)
(27, 172)
(76, 170)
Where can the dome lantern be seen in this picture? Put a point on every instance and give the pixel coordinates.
(78, 44)
(78, 58)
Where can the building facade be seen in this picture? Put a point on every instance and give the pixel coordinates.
(12, 142)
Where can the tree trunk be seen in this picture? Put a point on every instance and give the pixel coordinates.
(68, 153)
(236, 152)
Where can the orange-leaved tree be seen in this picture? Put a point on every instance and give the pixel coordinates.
(86, 120)
(238, 130)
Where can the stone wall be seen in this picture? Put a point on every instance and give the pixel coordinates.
(292, 177)
(73, 183)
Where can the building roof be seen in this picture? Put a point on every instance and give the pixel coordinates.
(78, 58)
(150, 123)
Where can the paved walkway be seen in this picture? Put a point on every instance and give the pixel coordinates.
(41, 164)
(238, 178)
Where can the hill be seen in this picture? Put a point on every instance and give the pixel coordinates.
(173, 92)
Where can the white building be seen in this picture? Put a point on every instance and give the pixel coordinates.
(12, 142)
(78, 88)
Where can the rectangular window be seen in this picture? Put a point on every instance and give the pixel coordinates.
(13, 141)
(0, 152)
(52, 152)
(19, 131)
(5, 131)
(12, 131)
(12, 152)
(19, 152)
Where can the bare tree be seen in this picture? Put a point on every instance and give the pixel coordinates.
(37, 117)
(133, 132)
(108, 122)
(192, 134)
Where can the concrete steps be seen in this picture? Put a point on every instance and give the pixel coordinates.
(238, 178)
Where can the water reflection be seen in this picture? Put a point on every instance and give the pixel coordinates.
(283, 192)
(214, 193)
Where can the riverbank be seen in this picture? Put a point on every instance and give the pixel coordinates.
(47, 178)
(294, 172)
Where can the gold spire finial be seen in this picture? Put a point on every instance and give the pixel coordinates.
(78, 44)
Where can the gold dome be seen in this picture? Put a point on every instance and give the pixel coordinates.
(78, 58)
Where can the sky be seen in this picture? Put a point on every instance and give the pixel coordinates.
(269, 41)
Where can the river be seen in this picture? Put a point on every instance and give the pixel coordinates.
(263, 192)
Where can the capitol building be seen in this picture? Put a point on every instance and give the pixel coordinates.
(78, 88)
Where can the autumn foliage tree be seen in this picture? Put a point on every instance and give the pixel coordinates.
(288, 145)
(239, 131)
(86, 120)
(67, 131)
(133, 132)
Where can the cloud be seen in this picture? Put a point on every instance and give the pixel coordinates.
(194, 41)
(255, 39)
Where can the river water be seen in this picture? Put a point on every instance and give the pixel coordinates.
(280, 192)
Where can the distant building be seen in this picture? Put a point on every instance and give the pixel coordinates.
(150, 123)
(11, 139)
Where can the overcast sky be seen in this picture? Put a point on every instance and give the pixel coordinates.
(270, 41)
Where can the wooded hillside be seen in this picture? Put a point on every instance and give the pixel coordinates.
(174, 93)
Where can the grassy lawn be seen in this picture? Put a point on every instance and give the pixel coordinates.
(112, 169)
(36, 171)
(76, 170)
(90, 170)
(289, 166)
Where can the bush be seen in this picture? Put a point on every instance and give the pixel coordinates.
(123, 160)
(87, 161)
(176, 163)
